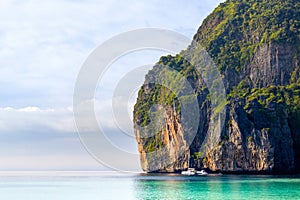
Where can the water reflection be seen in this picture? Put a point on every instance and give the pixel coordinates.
(215, 187)
(175, 187)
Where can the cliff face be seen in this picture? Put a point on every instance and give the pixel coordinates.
(259, 140)
(170, 152)
(255, 45)
(273, 64)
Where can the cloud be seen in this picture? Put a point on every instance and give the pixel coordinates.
(49, 162)
(42, 134)
(41, 139)
(28, 118)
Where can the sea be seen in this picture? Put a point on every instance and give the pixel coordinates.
(113, 185)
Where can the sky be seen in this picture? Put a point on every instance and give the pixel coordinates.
(43, 45)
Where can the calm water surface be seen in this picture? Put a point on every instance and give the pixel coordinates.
(100, 186)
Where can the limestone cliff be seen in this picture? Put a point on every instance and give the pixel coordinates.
(171, 152)
(255, 46)
(259, 140)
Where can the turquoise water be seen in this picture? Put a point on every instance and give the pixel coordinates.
(122, 186)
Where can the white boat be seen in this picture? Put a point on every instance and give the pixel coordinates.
(202, 172)
(189, 172)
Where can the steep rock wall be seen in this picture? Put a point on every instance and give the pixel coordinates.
(259, 140)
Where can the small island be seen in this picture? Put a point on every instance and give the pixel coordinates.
(255, 45)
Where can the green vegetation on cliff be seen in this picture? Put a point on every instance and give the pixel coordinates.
(172, 72)
(287, 96)
(234, 31)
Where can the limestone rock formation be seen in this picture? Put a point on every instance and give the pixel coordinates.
(256, 47)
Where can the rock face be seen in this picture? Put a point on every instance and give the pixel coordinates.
(256, 142)
(172, 152)
(257, 52)
(273, 64)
